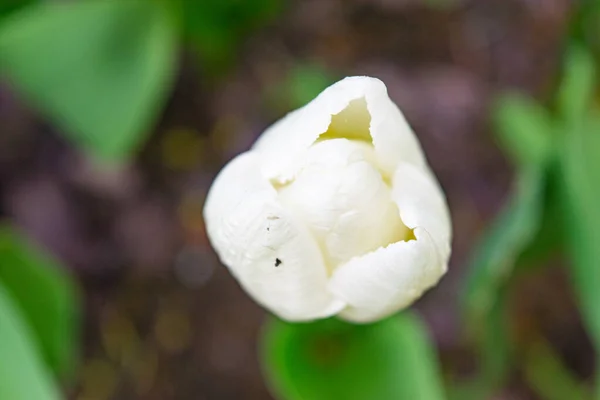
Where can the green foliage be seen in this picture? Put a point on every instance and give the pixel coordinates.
(512, 231)
(495, 344)
(577, 87)
(526, 132)
(22, 373)
(10, 6)
(580, 160)
(330, 359)
(556, 197)
(524, 129)
(216, 27)
(492, 266)
(305, 82)
(302, 83)
(548, 377)
(548, 243)
(99, 69)
(580, 182)
(45, 296)
(585, 24)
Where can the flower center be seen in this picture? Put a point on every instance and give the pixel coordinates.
(341, 195)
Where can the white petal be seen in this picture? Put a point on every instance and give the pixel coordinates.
(343, 200)
(271, 254)
(389, 279)
(285, 142)
(422, 204)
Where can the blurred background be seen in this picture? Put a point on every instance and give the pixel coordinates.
(115, 117)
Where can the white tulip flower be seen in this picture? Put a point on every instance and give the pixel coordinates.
(334, 210)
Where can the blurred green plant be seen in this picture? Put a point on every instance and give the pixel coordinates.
(46, 296)
(549, 377)
(22, 373)
(331, 359)
(523, 130)
(557, 157)
(301, 83)
(580, 173)
(304, 82)
(101, 70)
(38, 320)
(9, 6)
(216, 28)
(98, 69)
(584, 27)
(580, 162)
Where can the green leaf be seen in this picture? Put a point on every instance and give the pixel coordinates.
(10, 6)
(580, 161)
(45, 296)
(302, 83)
(491, 268)
(98, 69)
(577, 87)
(330, 359)
(524, 129)
(22, 373)
(549, 377)
(584, 24)
(548, 244)
(305, 82)
(511, 232)
(216, 28)
(495, 346)
(470, 390)
(496, 355)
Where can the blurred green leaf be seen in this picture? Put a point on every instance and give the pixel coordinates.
(44, 294)
(22, 373)
(549, 242)
(9, 6)
(216, 27)
(524, 129)
(511, 232)
(99, 69)
(492, 266)
(330, 359)
(580, 160)
(301, 84)
(305, 82)
(548, 376)
(471, 390)
(496, 354)
(585, 24)
(495, 346)
(577, 87)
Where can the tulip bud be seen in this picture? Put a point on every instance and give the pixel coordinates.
(334, 210)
